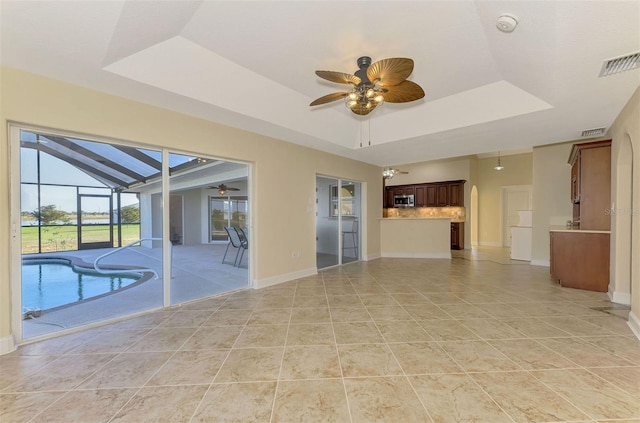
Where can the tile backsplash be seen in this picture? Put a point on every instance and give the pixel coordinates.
(456, 214)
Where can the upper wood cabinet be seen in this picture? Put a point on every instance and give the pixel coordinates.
(389, 197)
(456, 194)
(591, 185)
(420, 196)
(442, 194)
(436, 194)
(431, 195)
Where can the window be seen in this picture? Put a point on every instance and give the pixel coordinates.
(347, 205)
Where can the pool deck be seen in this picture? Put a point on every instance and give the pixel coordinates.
(197, 272)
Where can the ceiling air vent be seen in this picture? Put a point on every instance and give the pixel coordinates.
(620, 64)
(593, 132)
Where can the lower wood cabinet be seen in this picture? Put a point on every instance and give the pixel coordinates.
(457, 235)
(580, 259)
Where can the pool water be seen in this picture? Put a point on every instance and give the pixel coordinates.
(47, 284)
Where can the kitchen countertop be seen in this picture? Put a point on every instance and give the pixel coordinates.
(583, 231)
(414, 218)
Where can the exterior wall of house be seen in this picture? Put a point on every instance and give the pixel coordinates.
(283, 173)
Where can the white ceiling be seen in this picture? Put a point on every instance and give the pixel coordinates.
(251, 65)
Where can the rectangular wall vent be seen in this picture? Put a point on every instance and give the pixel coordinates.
(620, 64)
(593, 132)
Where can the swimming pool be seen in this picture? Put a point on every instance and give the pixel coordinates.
(51, 283)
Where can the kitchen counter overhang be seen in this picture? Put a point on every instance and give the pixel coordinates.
(415, 237)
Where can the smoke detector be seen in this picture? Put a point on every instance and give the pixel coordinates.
(507, 22)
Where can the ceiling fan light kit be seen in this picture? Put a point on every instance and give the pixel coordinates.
(373, 84)
(390, 172)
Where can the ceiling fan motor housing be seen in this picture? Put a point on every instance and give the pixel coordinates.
(363, 63)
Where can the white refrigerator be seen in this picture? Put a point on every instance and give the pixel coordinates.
(521, 237)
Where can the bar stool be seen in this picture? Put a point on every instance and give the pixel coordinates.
(353, 232)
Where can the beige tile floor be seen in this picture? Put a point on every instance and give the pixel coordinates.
(396, 340)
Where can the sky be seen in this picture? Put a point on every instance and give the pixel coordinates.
(56, 171)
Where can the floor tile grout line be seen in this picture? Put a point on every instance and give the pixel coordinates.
(197, 407)
(404, 374)
(335, 340)
(561, 395)
(284, 349)
(162, 366)
(71, 389)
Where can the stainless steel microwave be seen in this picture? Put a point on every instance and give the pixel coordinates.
(403, 201)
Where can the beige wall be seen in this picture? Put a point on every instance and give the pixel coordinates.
(432, 171)
(517, 171)
(35, 100)
(551, 196)
(625, 225)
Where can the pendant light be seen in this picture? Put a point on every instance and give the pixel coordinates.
(499, 165)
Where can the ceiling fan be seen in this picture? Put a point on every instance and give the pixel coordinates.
(372, 84)
(390, 172)
(222, 189)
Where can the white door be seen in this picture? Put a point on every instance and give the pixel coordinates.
(513, 199)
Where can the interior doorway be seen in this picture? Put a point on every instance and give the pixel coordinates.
(514, 198)
(338, 221)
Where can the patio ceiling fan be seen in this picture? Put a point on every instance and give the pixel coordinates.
(372, 84)
(222, 189)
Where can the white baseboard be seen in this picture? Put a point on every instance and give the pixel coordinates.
(274, 280)
(7, 345)
(545, 263)
(418, 255)
(619, 297)
(370, 257)
(490, 244)
(634, 324)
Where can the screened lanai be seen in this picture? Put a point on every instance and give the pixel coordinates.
(100, 207)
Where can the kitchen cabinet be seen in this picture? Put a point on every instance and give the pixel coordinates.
(389, 197)
(580, 259)
(456, 194)
(457, 235)
(420, 196)
(442, 195)
(431, 195)
(591, 184)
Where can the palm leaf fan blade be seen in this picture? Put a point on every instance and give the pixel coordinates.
(391, 71)
(339, 77)
(404, 92)
(328, 98)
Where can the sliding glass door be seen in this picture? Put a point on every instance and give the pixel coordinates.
(196, 226)
(109, 230)
(81, 203)
(338, 205)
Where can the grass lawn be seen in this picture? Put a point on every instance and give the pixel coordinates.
(65, 237)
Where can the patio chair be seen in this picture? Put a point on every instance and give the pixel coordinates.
(244, 243)
(234, 240)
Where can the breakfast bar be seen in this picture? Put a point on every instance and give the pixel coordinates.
(416, 237)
